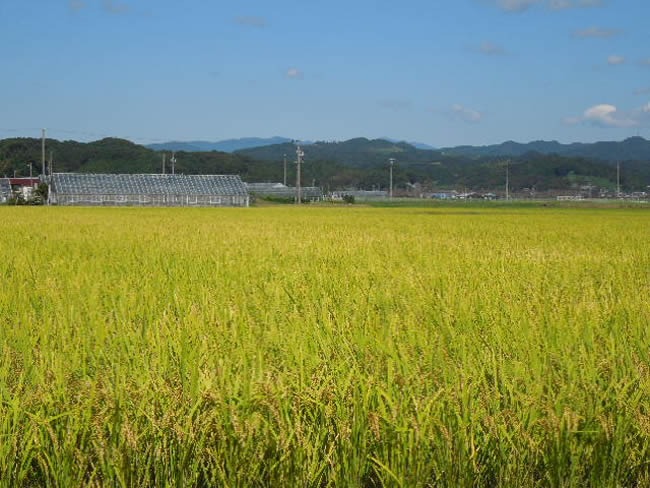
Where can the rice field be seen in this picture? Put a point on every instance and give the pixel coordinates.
(324, 347)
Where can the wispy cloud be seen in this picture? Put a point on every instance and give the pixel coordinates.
(251, 21)
(607, 116)
(615, 60)
(294, 74)
(491, 49)
(645, 62)
(515, 5)
(115, 7)
(522, 5)
(565, 4)
(77, 5)
(595, 32)
(466, 114)
(642, 91)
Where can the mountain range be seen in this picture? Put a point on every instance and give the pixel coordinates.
(231, 145)
(227, 145)
(631, 149)
(361, 151)
(356, 163)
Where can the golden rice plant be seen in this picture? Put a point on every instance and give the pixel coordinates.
(322, 347)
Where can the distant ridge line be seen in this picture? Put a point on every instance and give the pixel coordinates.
(633, 148)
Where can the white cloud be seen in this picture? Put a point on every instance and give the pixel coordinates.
(294, 74)
(614, 60)
(251, 21)
(466, 114)
(595, 32)
(521, 5)
(608, 116)
(604, 115)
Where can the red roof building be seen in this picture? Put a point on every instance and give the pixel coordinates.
(24, 181)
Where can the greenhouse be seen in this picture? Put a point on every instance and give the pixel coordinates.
(278, 190)
(5, 190)
(152, 190)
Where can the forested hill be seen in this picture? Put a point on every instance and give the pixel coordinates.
(357, 163)
(364, 162)
(121, 156)
(359, 152)
(631, 149)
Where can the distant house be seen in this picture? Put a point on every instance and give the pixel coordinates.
(24, 185)
(564, 198)
(151, 190)
(266, 187)
(445, 195)
(360, 194)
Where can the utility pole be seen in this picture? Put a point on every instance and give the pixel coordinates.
(390, 187)
(30, 170)
(173, 160)
(51, 165)
(284, 181)
(299, 155)
(618, 179)
(163, 158)
(507, 180)
(43, 172)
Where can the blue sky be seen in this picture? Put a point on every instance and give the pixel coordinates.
(444, 72)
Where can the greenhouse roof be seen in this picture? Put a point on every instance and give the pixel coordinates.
(147, 184)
